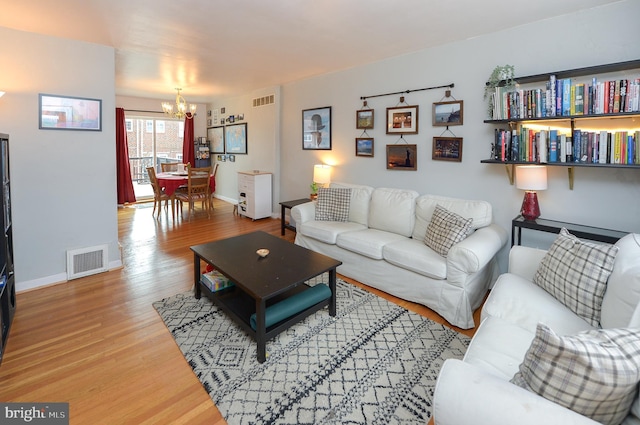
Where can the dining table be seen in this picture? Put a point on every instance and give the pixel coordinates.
(170, 181)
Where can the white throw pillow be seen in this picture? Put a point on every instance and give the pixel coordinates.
(333, 204)
(594, 373)
(575, 272)
(445, 230)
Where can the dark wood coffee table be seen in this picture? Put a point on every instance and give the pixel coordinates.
(262, 282)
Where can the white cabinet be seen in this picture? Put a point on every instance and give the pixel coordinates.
(254, 190)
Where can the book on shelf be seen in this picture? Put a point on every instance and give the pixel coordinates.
(564, 97)
(581, 146)
(553, 145)
(215, 281)
(551, 99)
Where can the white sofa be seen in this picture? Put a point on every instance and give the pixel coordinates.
(476, 390)
(381, 245)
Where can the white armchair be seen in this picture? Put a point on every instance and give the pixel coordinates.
(476, 390)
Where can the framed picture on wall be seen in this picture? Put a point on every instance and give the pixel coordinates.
(402, 157)
(402, 120)
(235, 138)
(216, 138)
(364, 119)
(447, 113)
(447, 149)
(69, 113)
(364, 146)
(316, 128)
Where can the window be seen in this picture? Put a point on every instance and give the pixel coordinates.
(151, 141)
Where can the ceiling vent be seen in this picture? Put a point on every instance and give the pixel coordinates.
(86, 261)
(264, 100)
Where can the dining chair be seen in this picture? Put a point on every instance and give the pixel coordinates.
(158, 193)
(197, 189)
(169, 166)
(173, 167)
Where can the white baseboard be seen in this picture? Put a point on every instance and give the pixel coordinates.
(54, 279)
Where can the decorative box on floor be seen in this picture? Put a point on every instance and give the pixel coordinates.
(215, 281)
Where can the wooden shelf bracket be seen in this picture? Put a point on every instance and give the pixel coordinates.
(570, 171)
(510, 172)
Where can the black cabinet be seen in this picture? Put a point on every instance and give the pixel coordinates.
(201, 152)
(7, 277)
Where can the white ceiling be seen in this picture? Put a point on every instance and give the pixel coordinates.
(220, 48)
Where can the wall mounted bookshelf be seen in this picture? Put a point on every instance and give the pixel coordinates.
(618, 128)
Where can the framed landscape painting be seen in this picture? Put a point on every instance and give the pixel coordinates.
(447, 149)
(447, 113)
(364, 146)
(402, 157)
(364, 119)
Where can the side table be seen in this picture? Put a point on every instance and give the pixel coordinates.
(288, 205)
(551, 226)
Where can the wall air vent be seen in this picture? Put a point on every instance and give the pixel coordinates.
(264, 100)
(86, 261)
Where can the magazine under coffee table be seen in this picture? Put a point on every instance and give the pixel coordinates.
(263, 283)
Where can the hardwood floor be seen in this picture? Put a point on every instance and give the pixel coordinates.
(97, 343)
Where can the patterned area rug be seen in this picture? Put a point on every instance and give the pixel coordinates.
(374, 363)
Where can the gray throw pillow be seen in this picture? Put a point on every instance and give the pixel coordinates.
(333, 204)
(445, 230)
(594, 373)
(575, 272)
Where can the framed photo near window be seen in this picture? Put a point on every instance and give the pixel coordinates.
(364, 146)
(69, 113)
(447, 149)
(402, 157)
(235, 138)
(402, 120)
(316, 128)
(216, 138)
(447, 113)
(364, 119)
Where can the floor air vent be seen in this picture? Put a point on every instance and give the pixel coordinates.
(86, 261)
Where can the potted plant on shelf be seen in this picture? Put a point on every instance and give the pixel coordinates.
(502, 75)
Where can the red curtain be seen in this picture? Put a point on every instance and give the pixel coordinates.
(188, 154)
(123, 171)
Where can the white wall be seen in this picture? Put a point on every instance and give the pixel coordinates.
(601, 197)
(63, 183)
(263, 147)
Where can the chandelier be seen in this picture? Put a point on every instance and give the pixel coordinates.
(181, 107)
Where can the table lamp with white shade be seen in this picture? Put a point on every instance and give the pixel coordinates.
(531, 178)
(322, 174)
